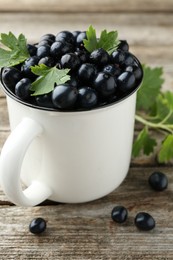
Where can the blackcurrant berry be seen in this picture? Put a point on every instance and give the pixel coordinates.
(75, 34)
(66, 36)
(123, 45)
(87, 72)
(105, 84)
(73, 81)
(60, 48)
(126, 81)
(79, 40)
(83, 55)
(37, 226)
(64, 96)
(158, 181)
(137, 71)
(44, 100)
(45, 43)
(112, 69)
(119, 214)
(70, 61)
(100, 57)
(32, 49)
(118, 57)
(22, 89)
(26, 68)
(43, 51)
(10, 76)
(48, 61)
(129, 59)
(87, 98)
(48, 36)
(144, 221)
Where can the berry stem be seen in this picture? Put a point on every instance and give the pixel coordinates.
(160, 125)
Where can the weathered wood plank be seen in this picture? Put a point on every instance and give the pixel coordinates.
(86, 231)
(86, 6)
(138, 29)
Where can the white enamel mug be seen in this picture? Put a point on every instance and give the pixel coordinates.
(69, 157)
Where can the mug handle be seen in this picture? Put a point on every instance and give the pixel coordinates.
(11, 160)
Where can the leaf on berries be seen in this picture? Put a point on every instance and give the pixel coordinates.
(143, 143)
(91, 42)
(15, 50)
(108, 40)
(47, 79)
(166, 151)
(150, 88)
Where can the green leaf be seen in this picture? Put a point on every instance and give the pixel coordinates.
(15, 50)
(48, 78)
(91, 42)
(143, 143)
(166, 151)
(150, 88)
(108, 40)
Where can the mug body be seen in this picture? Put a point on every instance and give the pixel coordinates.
(82, 155)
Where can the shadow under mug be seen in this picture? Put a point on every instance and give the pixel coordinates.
(69, 157)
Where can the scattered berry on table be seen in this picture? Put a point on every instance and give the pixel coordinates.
(158, 181)
(37, 226)
(119, 214)
(144, 221)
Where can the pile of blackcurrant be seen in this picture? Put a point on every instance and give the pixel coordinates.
(96, 78)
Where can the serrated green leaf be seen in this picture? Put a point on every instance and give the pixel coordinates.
(143, 143)
(91, 42)
(108, 40)
(166, 151)
(15, 50)
(150, 87)
(48, 78)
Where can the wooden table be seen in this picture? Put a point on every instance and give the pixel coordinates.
(86, 231)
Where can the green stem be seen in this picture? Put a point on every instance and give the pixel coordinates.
(166, 127)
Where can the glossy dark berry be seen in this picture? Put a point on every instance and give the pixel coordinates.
(79, 40)
(129, 59)
(48, 36)
(64, 96)
(137, 71)
(66, 36)
(26, 68)
(37, 226)
(75, 34)
(58, 49)
(118, 57)
(44, 100)
(73, 81)
(144, 221)
(112, 69)
(48, 61)
(32, 49)
(158, 181)
(22, 89)
(87, 97)
(45, 43)
(126, 81)
(87, 72)
(119, 214)
(123, 45)
(10, 76)
(70, 61)
(83, 55)
(99, 57)
(43, 51)
(105, 84)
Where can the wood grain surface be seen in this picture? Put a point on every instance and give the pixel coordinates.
(87, 6)
(86, 231)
